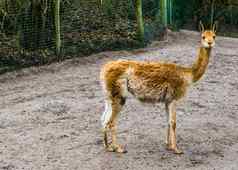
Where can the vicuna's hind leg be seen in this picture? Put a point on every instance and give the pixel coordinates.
(109, 118)
(171, 135)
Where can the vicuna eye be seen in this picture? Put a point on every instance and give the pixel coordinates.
(203, 37)
(214, 37)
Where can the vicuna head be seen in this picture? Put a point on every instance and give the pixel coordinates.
(208, 36)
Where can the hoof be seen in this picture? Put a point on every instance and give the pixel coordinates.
(178, 151)
(116, 148)
(175, 150)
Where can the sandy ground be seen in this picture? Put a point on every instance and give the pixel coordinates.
(49, 116)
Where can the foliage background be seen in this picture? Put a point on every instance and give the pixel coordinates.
(28, 37)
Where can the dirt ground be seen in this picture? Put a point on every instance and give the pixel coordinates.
(50, 116)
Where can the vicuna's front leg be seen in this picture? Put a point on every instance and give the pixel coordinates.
(171, 135)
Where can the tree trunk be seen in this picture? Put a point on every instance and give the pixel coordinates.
(57, 26)
(139, 19)
(163, 12)
(171, 12)
(231, 11)
(212, 12)
(107, 7)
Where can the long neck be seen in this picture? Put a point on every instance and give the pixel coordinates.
(200, 65)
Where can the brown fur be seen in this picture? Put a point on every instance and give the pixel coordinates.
(152, 82)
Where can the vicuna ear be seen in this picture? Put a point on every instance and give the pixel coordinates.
(214, 27)
(201, 27)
